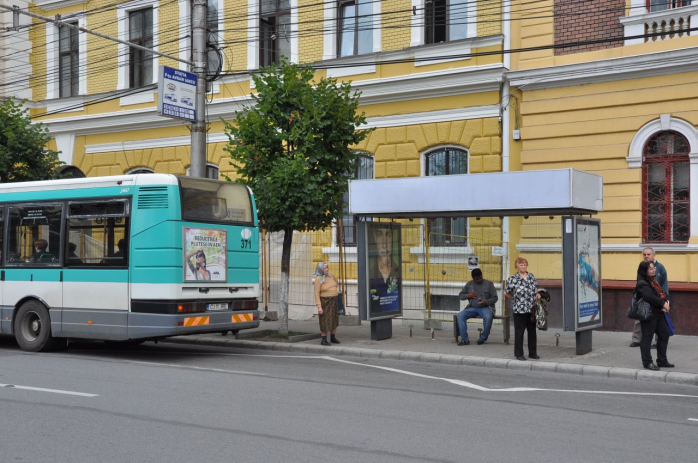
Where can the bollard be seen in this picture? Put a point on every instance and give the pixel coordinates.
(410, 330)
(432, 334)
(557, 339)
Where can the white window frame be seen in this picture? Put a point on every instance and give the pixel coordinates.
(254, 37)
(663, 123)
(418, 22)
(184, 29)
(122, 13)
(53, 85)
(331, 25)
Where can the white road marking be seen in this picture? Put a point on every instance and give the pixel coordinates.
(468, 384)
(693, 419)
(193, 367)
(42, 389)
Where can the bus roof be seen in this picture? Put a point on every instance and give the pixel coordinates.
(90, 182)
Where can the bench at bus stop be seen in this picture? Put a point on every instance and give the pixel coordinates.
(505, 317)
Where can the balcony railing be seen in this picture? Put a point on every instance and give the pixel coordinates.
(658, 26)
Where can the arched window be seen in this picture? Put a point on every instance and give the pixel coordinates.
(363, 170)
(665, 189)
(212, 171)
(447, 231)
(140, 170)
(70, 172)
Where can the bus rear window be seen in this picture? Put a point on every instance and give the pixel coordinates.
(214, 201)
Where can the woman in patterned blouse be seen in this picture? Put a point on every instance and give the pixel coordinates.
(522, 287)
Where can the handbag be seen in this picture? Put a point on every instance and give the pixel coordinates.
(340, 304)
(669, 323)
(639, 309)
(541, 315)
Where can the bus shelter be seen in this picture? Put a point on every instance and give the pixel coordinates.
(382, 205)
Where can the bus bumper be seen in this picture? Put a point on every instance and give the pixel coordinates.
(144, 325)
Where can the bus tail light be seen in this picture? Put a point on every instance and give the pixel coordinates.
(245, 304)
(185, 307)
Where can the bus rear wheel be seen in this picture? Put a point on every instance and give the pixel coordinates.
(33, 328)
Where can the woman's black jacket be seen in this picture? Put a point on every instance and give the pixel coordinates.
(646, 292)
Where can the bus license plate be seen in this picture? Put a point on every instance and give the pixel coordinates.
(221, 306)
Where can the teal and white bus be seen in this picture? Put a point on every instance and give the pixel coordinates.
(126, 258)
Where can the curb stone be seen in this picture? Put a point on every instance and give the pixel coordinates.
(678, 378)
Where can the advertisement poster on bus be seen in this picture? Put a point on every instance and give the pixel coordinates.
(588, 272)
(205, 254)
(384, 270)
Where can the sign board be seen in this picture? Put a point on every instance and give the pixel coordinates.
(177, 94)
(383, 260)
(581, 273)
(205, 254)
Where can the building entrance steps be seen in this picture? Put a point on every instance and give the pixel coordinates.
(611, 355)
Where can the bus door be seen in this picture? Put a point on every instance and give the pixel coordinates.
(95, 283)
(32, 257)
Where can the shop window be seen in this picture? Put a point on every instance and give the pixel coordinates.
(666, 189)
(447, 231)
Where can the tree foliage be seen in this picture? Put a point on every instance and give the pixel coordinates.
(292, 146)
(24, 155)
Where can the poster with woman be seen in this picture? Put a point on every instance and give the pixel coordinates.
(384, 271)
(205, 254)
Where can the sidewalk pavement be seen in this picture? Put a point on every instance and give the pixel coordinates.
(611, 356)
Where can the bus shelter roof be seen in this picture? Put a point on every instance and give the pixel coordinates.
(525, 193)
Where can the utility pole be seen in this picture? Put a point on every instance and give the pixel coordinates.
(199, 38)
(198, 65)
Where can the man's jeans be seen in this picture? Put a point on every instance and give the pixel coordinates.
(472, 312)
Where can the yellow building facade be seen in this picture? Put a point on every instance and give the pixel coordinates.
(496, 85)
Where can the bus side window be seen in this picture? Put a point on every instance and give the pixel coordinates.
(34, 234)
(97, 234)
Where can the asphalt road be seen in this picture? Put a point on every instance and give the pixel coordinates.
(177, 403)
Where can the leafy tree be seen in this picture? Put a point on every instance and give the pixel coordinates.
(24, 155)
(292, 148)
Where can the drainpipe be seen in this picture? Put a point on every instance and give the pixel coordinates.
(506, 129)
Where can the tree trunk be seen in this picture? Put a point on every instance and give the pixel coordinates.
(285, 275)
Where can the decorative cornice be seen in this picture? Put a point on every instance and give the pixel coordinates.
(464, 80)
(150, 143)
(49, 5)
(591, 72)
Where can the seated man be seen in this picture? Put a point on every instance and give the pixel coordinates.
(40, 253)
(481, 297)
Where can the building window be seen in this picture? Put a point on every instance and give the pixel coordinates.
(140, 170)
(447, 231)
(70, 172)
(275, 31)
(212, 171)
(140, 32)
(666, 191)
(445, 20)
(363, 171)
(355, 27)
(68, 61)
(661, 5)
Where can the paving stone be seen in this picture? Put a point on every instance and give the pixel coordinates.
(592, 370)
(569, 368)
(451, 359)
(654, 376)
(622, 373)
(686, 379)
